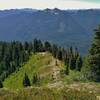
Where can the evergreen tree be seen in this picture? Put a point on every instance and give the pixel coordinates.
(72, 63)
(76, 53)
(71, 51)
(94, 57)
(79, 63)
(35, 45)
(67, 67)
(2, 50)
(59, 54)
(67, 70)
(26, 81)
(40, 46)
(26, 46)
(47, 46)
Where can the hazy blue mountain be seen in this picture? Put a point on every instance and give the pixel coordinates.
(66, 27)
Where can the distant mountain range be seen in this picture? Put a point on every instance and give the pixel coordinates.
(64, 27)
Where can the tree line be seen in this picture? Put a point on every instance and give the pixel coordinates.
(12, 56)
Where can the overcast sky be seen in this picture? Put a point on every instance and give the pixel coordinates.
(42, 4)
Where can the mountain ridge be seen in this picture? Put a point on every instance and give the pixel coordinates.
(64, 27)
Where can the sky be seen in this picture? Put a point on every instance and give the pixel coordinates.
(42, 4)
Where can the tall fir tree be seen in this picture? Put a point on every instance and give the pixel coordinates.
(67, 66)
(59, 53)
(67, 70)
(94, 57)
(35, 45)
(79, 63)
(47, 46)
(72, 63)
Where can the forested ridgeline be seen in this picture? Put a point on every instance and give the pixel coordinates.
(14, 54)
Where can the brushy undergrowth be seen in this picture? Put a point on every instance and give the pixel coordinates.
(46, 94)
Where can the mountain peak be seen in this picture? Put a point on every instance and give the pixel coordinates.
(56, 9)
(52, 10)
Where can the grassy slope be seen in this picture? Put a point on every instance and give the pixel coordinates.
(41, 63)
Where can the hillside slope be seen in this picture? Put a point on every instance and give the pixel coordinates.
(42, 64)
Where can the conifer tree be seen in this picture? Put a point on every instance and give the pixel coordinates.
(76, 53)
(47, 46)
(94, 57)
(26, 81)
(79, 63)
(26, 45)
(59, 54)
(35, 46)
(66, 65)
(72, 63)
(40, 46)
(67, 70)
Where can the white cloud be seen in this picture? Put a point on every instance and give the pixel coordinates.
(42, 4)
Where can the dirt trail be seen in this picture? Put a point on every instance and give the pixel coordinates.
(53, 68)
